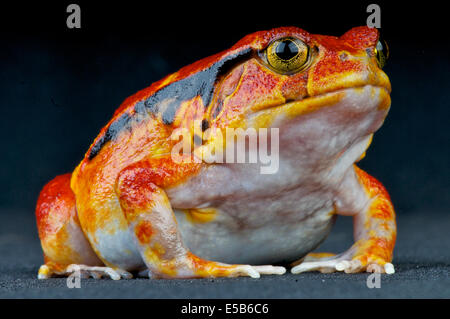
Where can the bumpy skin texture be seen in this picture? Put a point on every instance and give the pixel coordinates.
(129, 207)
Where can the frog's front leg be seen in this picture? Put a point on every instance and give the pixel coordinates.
(374, 229)
(152, 222)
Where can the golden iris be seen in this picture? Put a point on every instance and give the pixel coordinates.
(381, 53)
(287, 55)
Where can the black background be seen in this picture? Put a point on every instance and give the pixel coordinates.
(58, 87)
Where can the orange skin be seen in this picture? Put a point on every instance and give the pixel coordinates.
(126, 178)
(380, 216)
(55, 213)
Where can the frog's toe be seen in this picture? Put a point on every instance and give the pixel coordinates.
(44, 272)
(381, 267)
(270, 270)
(388, 268)
(324, 266)
(356, 265)
(348, 266)
(244, 270)
(257, 271)
(98, 272)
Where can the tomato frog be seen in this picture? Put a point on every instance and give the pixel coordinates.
(129, 208)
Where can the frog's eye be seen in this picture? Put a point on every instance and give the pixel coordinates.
(381, 53)
(287, 55)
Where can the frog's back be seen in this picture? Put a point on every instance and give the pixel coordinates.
(143, 123)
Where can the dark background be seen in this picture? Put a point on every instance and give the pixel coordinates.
(59, 86)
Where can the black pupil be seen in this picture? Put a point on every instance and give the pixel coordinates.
(286, 50)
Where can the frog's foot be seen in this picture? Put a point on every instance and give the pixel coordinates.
(195, 267)
(248, 270)
(344, 262)
(192, 266)
(97, 272)
(46, 271)
(315, 257)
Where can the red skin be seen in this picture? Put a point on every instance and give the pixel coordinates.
(55, 205)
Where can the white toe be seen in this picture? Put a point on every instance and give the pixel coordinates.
(389, 268)
(252, 272)
(341, 266)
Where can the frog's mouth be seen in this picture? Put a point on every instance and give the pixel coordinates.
(359, 97)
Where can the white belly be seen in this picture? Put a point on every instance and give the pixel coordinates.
(233, 241)
(282, 216)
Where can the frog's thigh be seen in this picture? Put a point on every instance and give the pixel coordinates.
(375, 229)
(153, 225)
(62, 239)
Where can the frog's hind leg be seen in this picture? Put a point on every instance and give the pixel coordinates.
(65, 247)
(152, 222)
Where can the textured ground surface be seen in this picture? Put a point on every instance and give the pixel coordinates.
(422, 263)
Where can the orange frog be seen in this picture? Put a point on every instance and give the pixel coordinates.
(132, 206)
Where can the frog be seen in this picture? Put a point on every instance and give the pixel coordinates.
(132, 208)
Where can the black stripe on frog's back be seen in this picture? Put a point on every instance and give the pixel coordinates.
(200, 84)
(169, 98)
